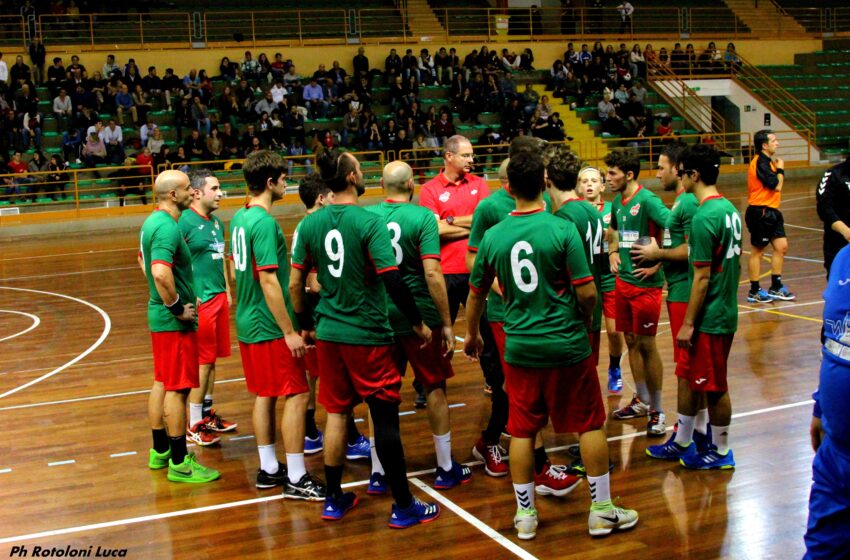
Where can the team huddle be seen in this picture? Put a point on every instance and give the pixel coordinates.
(365, 291)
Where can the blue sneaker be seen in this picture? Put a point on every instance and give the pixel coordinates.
(377, 484)
(459, 474)
(359, 450)
(335, 508)
(418, 512)
(670, 450)
(782, 293)
(615, 381)
(709, 460)
(314, 445)
(703, 441)
(760, 296)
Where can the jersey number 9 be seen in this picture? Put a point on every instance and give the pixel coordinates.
(335, 251)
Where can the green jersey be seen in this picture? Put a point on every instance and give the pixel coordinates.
(537, 259)
(641, 215)
(608, 278)
(160, 242)
(205, 238)
(676, 233)
(414, 236)
(715, 241)
(257, 244)
(588, 225)
(349, 247)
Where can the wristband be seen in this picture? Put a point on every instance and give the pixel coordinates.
(780, 172)
(176, 308)
(305, 320)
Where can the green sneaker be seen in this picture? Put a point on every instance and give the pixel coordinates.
(191, 471)
(525, 523)
(159, 460)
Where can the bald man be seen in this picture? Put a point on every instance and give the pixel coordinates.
(165, 259)
(415, 239)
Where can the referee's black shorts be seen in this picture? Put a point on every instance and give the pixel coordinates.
(764, 224)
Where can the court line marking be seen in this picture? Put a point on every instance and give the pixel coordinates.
(778, 312)
(71, 273)
(32, 257)
(107, 326)
(4, 471)
(59, 463)
(804, 227)
(35, 322)
(488, 531)
(125, 454)
(254, 501)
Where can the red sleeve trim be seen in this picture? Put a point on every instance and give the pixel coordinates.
(472, 249)
(267, 267)
(582, 281)
(476, 289)
(166, 263)
(387, 269)
(435, 257)
(300, 266)
(702, 263)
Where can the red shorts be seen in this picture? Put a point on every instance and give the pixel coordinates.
(175, 359)
(676, 310)
(351, 373)
(638, 309)
(709, 357)
(609, 305)
(271, 370)
(500, 338)
(311, 362)
(213, 329)
(569, 395)
(429, 366)
(595, 338)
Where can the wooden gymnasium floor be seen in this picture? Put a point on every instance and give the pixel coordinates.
(75, 370)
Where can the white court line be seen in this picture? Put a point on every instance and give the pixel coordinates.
(125, 454)
(237, 438)
(107, 325)
(32, 257)
(35, 322)
(804, 227)
(59, 463)
(488, 531)
(4, 471)
(54, 274)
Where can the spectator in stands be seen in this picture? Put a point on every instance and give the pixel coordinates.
(152, 85)
(266, 105)
(374, 140)
(639, 91)
(604, 107)
(55, 76)
(228, 70)
(621, 95)
(444, 128)
(292, 80)
(364, 92)
(144, 160)
(19, 73)
(230, 140)
(557, 75)
(141, 103)
(350, 127)
(172, 86)
(110, 67)
(195, 145)
(392, 65)
(278, 68)
(63, 109)
(4, 75)
(637, 62)
(294, 125)
(245, 97)
(57, 177)
(297, 151)
(155, 141)
(512, 119)
(36, 167)
(178, 159)
(18, 167)
(265, 67)
(487, 148)
(132, 77)
(94, 151)
(678, 59)
(71, 144)
(427, 72)
(526, 60)
(337, 73)
(250, 68)
(665, 127)
(31, 128)
(731, 59)
(124, 103)
(314, 99)
(200, 116)
(690, 58)
(443, 67)
(530, 99)
(664, 60)
(75, 66)
(38, 57)
(492, 96)
(409, 65)
(509, 61)
(130, 180)
(360, 64)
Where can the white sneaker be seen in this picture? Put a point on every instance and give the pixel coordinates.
(602, 523)
(525, 522)
(657, 425)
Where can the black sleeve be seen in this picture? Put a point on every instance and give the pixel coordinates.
(826, 194)
(401, 296)
(766, 174)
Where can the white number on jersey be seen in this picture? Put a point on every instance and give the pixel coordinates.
(142, 249)
(395, 236)
(733, 222)
(335, 251)
(240, 250)
(518, 265)
(594, 242)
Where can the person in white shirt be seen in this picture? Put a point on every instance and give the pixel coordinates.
(63, 109)
(427, 74)
(278, 92)
(147, 131)
(4, 74)
(626, 10)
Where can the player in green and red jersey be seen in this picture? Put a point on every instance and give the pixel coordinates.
(165, 259)
(591, 187)
(355, 264)
(549, 297)
(415, 241)
(271, 346)
(712, 316)
(637, 212)
(204, 234)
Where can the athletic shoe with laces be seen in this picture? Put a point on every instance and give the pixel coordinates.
(377, 484)
(218, 424)
(577, 468)
(266, 480)
(761, 296)
(491, 456)
(200, 434)
(191, 471)
(709, 460)
(657, 425)
(307, 488)
(417, 512)
(635, 409)
(602, 522)
(314, 445)
(158, 460)
(457, 475)
(782, 294)
(703, 441)
(670, 450)
(525, 523)
(555, 481)
(574, 450)
(359, 450)
(615, 381)
(334, 509)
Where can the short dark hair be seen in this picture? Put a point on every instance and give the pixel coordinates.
(198, 177)
(261, 166)
(525, 175)
(704, 158)
(761, 138)
(625, 160)
(563, 167)
(526, 144)
(310, 188)
(673, 151)
(334, 168)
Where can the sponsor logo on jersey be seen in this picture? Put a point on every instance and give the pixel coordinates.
(635, 209)
(444, 197)
(473, 191)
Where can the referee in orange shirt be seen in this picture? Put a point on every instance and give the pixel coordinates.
(765, 179)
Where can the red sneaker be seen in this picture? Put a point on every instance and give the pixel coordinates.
(494, 465)
(218, 424)
(555, 481)
(200, 434)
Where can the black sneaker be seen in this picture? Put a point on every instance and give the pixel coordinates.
(308, 488)
(266, 480)
(421, 399)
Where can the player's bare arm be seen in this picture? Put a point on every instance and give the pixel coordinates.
(586, 296)
(274, 300)
(473, 344)
(163, 278)
(299, 301)
(699, 288)
(614, 250)
(437, 288)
